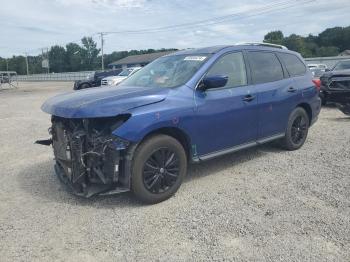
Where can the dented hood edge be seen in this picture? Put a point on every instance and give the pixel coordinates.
(102, 102)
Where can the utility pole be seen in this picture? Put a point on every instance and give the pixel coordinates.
(27, 63)
(45, 57)
(7, 64)
(102, 60)
(48, 61)
(42, 58)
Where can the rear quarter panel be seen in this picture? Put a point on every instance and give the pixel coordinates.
(309, 94)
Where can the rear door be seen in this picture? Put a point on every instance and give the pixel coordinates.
(276, 93)
(227, 116)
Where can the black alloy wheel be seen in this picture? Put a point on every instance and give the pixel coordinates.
(299, 129)
(161, 170)
(158, 168)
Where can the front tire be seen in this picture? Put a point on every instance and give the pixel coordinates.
(158, 168)
(84, 86)
(297, 129)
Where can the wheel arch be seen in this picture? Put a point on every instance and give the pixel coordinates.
(176, 133)
(308, 110)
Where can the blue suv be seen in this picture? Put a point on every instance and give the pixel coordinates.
(188, 106)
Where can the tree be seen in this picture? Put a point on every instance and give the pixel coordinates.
(57, 59)
(3, 64)
(35, 66)
(327, 51)
(73, 57)
(328, 43)
(297, 43)
(18, 64)
(336, 36)
(89, 53)
(274, 37)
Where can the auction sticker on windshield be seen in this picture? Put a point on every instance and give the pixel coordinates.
(195, 58)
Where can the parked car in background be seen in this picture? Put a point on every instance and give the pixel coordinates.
(94, 79)
(189, 106)
(318, 66)
(4, 79)
(317, 69)
(316, 72)
(335, 86)
(116, 79)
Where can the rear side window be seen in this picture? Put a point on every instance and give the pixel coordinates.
(293, 64)
(233, 66)
(265, 67)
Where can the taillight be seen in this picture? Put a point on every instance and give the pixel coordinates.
(317, 83)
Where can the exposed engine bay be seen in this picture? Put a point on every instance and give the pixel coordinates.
(89, 158)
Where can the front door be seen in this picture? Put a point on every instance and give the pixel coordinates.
(227, 116)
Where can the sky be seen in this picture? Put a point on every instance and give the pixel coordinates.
(29, 25)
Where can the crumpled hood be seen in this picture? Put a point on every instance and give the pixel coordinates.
(102, 102)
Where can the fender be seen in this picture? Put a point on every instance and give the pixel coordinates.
(177, 110)
(140, 125)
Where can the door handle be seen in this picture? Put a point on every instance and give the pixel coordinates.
(291, 89)
(248, 98)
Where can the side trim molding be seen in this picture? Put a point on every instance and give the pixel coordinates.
(270, 138)
(237, 148)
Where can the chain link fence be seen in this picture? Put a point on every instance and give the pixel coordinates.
(66, 76)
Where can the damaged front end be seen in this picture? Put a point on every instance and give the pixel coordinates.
(335, 88)
(89, 158)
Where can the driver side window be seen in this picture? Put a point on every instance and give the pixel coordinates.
(231, 65)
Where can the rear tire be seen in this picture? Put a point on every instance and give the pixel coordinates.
(297, 129)
(158, 168)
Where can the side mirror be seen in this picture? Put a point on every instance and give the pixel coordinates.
(215, 81)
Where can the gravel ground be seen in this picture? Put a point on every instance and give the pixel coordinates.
(261, 204)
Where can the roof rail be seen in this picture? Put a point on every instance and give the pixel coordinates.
(264, 44)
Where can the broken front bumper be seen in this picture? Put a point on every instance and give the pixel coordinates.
(91, 190)
(89, 159)
(336, 89)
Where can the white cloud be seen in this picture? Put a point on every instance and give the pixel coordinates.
(41, 23)
(104, 3)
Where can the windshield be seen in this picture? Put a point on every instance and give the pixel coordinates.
(167, 71)
(342, 65)
(125, 72)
